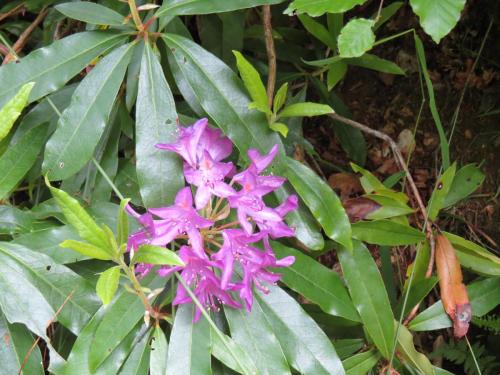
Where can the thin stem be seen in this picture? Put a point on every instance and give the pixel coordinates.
(379, 10)
(56, 110)
(7, 44)
(135, 15)
(106, 177)
(210, 321)
(271, 53)
(473, 356)
(393, 37)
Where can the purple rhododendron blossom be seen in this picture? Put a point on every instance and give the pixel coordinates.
(220, 260)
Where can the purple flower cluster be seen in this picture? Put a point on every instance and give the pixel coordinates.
(212, 251)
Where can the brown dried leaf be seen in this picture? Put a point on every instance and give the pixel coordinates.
(346, 183)
(358, 208)
(453, 292)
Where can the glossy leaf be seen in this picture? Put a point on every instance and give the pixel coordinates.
(107, 284)
(14, 348)
(87, 249)
(369, 295)
(253, 82)
(373, 62)
(122, 225)
(484, 296)
(438, 18)
(186, 7)
(159, 172)
(280, 97)
(138, 361)
(13, 108)
(220, 93)
(319, 7)
(280, 128)
(336, 71)
(463, 245)
(441, 189)
(52, 281)
(316, 283)
(13, 220)
(159, 349)
(19, 158)
(189, 349)
(86, 116)
(305, 345)
(47, 242)
(356, 38)
(306, 109)
(386, 232)
(390, 207)
(119, 321)
(322, 201)
(156, 255)
(407, 350)
(466, 181)
(361, 363)
(79, 219)
(254, 333)
(52, 66)
(92, 13)
(319, 31)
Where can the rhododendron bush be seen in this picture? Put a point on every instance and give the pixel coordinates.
(165, 206)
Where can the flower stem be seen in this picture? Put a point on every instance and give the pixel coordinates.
(135, 15)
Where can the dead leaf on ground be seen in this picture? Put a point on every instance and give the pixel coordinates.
(453, 292)
(346, 183)
(358, 208)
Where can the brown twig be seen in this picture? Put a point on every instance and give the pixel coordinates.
(11, 12)
(23, 38)
(35, 343)
(400, 160)
(271, 53)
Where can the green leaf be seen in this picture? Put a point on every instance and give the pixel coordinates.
(280, 128)
(373, 62)
(47, 242)
(159, 172)
(189, 349)
(19, 158)
(122, 226)
(316, 283)
(466, 181)
(138, 361)
(462, 245)
(13, 220)
(438, 18)
(107, 284)
(406, 349)
(280, 97)
(86, 116)
(443, 185)
(221, 94)
(361, 363)
(86, 249)
(336, 71)
(443, 140)
(419, 290)
(92, 13)
(253, 82)
(317, 8)
(52, 66)
(484, 296)
(322, 201)
(371, 184)
(159, 349)
(319, 31)
(79, 218)
(369, 295)
(16, 344)
(306, 109)
(254, 333)
(52, 282)
(386, 232)
(356, 37)
(13, 108)
(157, 255)
(187, 7)
(120, 319)
(386, 13)
(390, 207)
(305, 345)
